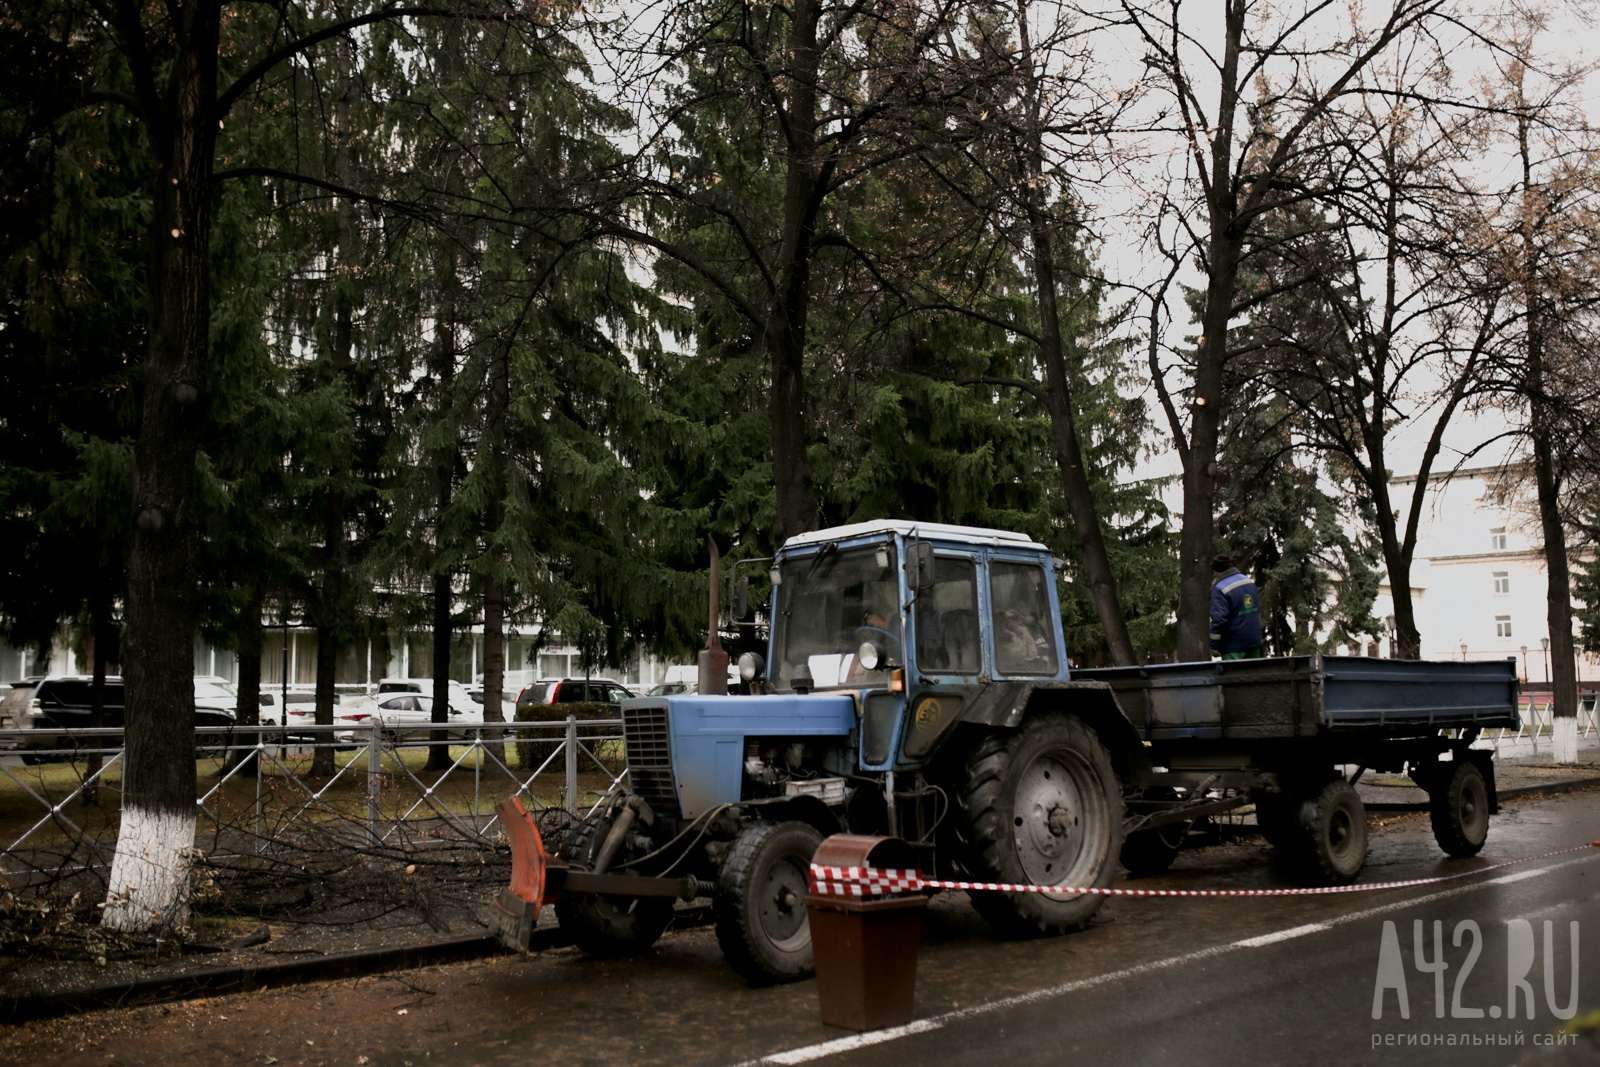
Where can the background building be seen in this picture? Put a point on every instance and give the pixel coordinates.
(1478, 581)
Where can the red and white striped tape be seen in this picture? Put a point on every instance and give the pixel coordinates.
(872, 882)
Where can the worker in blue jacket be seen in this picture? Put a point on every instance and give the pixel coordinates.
(1235, 612)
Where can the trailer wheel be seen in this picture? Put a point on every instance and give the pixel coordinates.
(1277, 820)
(1460, 809)
(760, 902)
(1146, 853)
(1333, 828)
(607, 926)
(1041, 806)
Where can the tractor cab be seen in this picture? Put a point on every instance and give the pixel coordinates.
(913, 621)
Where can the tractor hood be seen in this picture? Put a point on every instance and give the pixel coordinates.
(688, 751)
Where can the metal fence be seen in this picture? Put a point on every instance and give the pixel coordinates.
(383, 788)
(1538, 721)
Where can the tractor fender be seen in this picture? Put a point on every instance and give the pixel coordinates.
(1006, 704)
(806, 809)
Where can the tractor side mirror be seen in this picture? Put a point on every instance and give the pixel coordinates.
(741, 598)
(920, 564)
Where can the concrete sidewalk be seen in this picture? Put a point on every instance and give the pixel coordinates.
(1519, 770)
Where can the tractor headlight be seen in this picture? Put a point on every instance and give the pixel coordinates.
(868, 656)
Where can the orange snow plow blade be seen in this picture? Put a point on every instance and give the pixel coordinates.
(516, 909)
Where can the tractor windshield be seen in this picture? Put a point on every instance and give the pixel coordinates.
(830, 603)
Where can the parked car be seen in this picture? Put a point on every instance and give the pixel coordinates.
(404, 715)
(460, 699)
(296, 708)
(65, 702)
(574, 691)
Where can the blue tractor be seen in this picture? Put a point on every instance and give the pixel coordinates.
(917, 687)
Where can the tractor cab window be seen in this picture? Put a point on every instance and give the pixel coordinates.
(830, 604)
(948, 641)
(1024, 640)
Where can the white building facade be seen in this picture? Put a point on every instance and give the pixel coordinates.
(1478, 580)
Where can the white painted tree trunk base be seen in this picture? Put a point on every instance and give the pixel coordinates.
(1565, 733)
(149, 885)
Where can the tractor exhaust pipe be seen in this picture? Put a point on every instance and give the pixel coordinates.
(714, 658)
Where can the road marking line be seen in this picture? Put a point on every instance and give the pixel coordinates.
(1281, 935)
(808, 1053)
(1505, 878)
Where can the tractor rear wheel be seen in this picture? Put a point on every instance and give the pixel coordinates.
(760, 902)
(1041, 806)
(607, 926)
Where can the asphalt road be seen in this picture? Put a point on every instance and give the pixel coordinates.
(1155, 981)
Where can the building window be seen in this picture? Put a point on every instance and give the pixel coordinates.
(1502, 582)
(1497, 539)
(1502, 625)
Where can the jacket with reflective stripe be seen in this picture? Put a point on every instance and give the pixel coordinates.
(1235, 613)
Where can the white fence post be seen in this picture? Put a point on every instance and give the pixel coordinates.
(374, 788)
(572, 764)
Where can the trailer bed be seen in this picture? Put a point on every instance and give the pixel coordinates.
(1311, 696)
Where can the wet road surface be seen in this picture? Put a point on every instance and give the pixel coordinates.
(1193, 981)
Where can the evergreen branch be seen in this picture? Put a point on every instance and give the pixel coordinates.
(406, 208)
(258, 70)
(1026, 386)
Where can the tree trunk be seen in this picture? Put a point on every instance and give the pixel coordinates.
(327, 661)
(785, 332)
(247, 712)
(1223, 248)
(1199, 475)
(1063, 422)
(332, 598)
(1558, 574)
(494, 660)
(102, 637)
(148, 889)
(439, 751)
(1069, 455)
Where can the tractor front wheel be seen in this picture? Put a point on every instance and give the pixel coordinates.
(760, 902)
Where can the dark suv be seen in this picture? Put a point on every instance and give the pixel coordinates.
(64, 703)
(573, 691)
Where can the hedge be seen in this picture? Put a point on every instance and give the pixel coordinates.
(533, 746)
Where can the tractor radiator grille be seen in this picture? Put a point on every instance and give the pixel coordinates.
(650, 757)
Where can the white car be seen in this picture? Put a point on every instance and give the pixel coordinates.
(404, 715)
(459, 697)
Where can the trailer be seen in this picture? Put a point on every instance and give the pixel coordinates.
(1276, 733)
(916, 685)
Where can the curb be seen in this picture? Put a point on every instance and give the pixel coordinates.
(249, 977)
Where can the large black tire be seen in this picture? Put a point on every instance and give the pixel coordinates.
(1147, 853)
(1459, 806)
(607, 926)
(1333, 835)
(1041, 806)
(1277, 819)
(760, 902)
